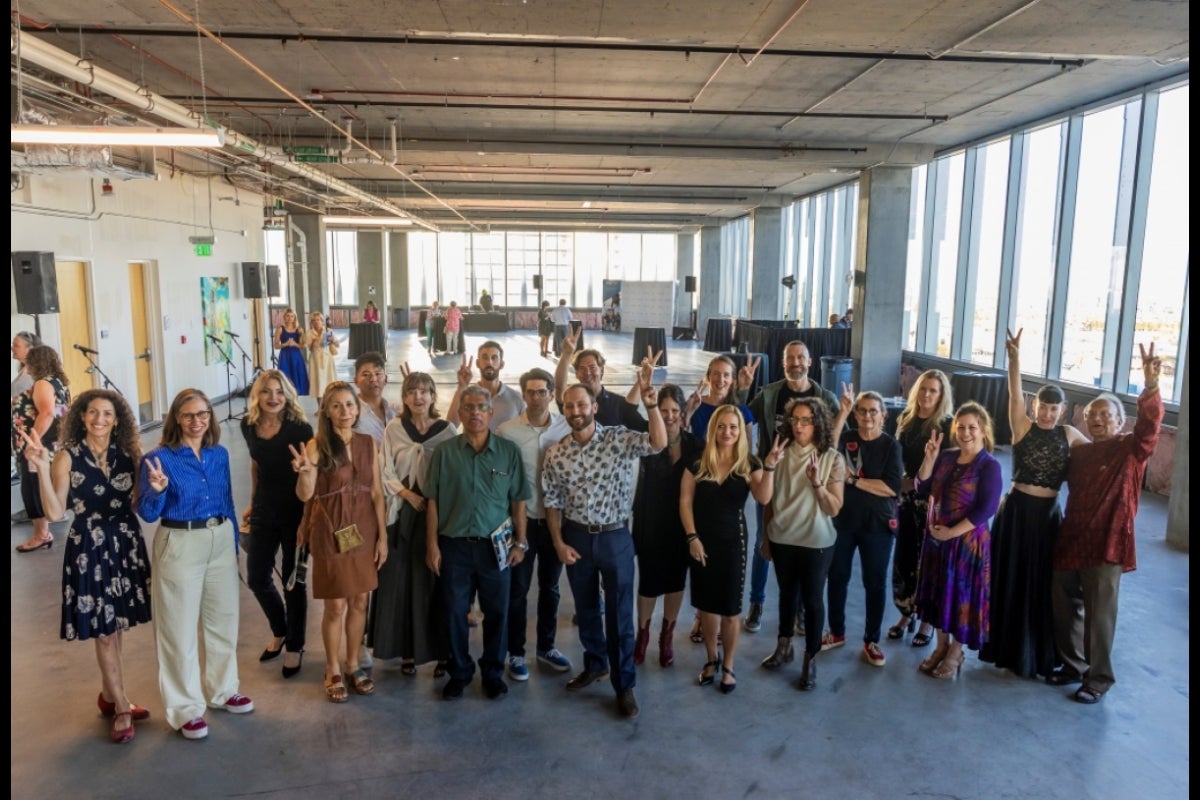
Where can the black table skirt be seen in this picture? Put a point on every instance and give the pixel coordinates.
(771, 338)
(718, 335)
(366, 337)
(485, 322)
(990, 390)
(761, 376)
(439, 331)
(655, 338)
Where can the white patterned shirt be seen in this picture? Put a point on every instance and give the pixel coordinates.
(593, 483)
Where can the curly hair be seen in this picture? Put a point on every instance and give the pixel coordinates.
(822, 421)
(172, 433)
(125, 433)
(419, 380)
(331, 450)
(291, 410)
(42, 362)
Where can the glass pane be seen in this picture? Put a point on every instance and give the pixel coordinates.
(558, 257)
(992, 169)
(1163, 289)
(487, 261)
(422, 266)
(342, 247)
(591, 258)
(658, 257)
(916, 239)
(947, 221)
(276, 255)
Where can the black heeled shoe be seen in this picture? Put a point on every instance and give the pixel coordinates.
(705, 678)
(269, 655)
(291, 672)
(897, 631)
(808, 675)
(727, 688)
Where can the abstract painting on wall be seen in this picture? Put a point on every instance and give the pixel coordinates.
(214, 308)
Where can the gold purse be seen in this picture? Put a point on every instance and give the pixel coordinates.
(347, 538)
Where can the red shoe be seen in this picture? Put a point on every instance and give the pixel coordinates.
(666, 644)
(830, 641)
(640, 645)
(122, 735)
(110, 709)
(237, 704)
(196, 729)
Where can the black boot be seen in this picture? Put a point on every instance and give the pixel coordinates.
(808, 674)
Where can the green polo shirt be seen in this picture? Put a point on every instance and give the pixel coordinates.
(474, 491)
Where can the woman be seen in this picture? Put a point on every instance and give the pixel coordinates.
(454, 315)
(371, 312)
(718, 388)
(712, 500)
(658, 539)
(867, 521)
(929, 408)
(322, 346)
(37, 411)
(289, 341)
(106, 570)
(545, 328)
(405, 612)
(954, 579)
(800, 533)
(343, 522)
(1026, 529)
(433, 313)
(185, 482)
(274, 422)
(21, 344)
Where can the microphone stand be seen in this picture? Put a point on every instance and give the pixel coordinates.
(229, 415)
(95, 369)
(245, 360)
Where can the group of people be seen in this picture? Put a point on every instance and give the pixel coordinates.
(307, 357)
(452, 317)
(410, 517)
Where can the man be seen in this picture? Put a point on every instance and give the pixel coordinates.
(505, 401)
(612, 409)
(1096, 541)
(561, 316)
(588, 483)
(533, 432)
(476, 481)
(848, 320)
(835, 320)
(370, 376)
(767, 408)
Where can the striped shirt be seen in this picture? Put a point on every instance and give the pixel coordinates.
(198, 488)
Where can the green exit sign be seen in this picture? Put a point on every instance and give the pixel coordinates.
(203, 249)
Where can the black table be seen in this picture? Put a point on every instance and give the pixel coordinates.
(366, 337)
(577, 327)
(485, 322)
(654, 338)
(761, 375)
(893, 405)
(439, 331)
(990, 390)
(718, 335)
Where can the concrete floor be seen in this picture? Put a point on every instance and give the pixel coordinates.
(865, 732)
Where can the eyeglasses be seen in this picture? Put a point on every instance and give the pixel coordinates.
(201, 416)
(868, 412)
(472, 407)
(802, 421)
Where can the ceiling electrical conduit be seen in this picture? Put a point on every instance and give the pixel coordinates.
(68, 66)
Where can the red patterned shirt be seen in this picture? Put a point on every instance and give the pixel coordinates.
(1105, 482)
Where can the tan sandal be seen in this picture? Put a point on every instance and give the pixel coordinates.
(362, 682)
(335, 689)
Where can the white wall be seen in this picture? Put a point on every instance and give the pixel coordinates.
(144, 220)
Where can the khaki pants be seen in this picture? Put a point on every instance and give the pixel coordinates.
(1085, 621)
(195, 589)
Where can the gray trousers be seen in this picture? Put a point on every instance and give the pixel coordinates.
(1085, 621)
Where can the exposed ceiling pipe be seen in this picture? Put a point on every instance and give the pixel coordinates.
(778, 31)
(48, 57)
(349, 142)
(395, 159)
(986, 28)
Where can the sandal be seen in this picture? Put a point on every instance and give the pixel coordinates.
(705, 678)
(727, 688)
(697, 636)
(921, 639)
(362, 682)
(1087, 696)
(439, 671)
(897, 630)
(335, 690)
(408, 668)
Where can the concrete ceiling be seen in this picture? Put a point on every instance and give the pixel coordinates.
(623, 114)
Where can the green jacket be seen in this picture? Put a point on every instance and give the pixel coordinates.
(763, 406)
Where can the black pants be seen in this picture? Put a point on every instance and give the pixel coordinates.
(801, 573)
(288, 615)
(549, 570)
(469, 566)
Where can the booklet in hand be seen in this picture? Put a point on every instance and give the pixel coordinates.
(502, 542)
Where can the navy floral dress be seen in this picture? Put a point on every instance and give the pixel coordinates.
(106, 571)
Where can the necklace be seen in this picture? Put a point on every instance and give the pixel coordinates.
(674, 442)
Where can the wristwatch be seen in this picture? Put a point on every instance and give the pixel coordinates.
(852, 480)
(522, 546)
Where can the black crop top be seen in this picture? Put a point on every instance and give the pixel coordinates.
(1040, 458)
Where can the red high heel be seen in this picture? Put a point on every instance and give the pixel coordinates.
(110, 709)
(122, 735)
(640, 645)
(666, 644)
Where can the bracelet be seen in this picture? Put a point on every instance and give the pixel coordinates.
(768, 469)
(818, 485)
(691, 537)
(651, 406)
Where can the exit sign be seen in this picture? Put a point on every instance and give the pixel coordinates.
(203, 249)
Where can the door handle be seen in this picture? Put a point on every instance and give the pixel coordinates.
(145, 355)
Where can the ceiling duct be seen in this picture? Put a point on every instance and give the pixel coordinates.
(91, 161)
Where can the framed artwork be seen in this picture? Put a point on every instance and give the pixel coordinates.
(214, 310)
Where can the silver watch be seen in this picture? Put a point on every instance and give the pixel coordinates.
(523, 546)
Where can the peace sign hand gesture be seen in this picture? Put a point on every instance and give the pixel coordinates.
(1151, 365)
(301, 463)
(811, 470)
(1012, 344)
(155, 475)
(933, 446)
(569, 341)
(35, 452)
(649, 393)
(746, 374)
(846, 401)
(405, 370)
(648, 365)
(775, 454)
(464, 372)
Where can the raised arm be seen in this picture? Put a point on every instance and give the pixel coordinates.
(564, 362)
(464, 380)
(1018, 420)
(845, 408)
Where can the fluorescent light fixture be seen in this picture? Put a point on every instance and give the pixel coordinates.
(368, 221)
(114, 135)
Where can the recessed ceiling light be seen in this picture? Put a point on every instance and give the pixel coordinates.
(587, 203)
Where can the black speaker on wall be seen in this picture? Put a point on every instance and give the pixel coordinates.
(272, 273)
(689, 283)
(537, 281)
(35, 281)
(253, 282)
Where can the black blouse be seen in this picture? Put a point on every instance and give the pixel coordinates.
(275, 499)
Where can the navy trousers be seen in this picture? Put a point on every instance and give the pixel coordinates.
(469, 567)
(549, 569)
(604, 558)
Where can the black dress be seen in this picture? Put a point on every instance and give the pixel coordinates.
(658, 535)
(719, 512)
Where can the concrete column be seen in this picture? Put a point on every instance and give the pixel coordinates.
(685, 267)
(371, 269)
(710, 276)
(766, 264)
(1178, 533)
(397, 276)
(878, 294)
(309, 264)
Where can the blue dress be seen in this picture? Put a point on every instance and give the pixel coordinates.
(291, 360)
(106, 572)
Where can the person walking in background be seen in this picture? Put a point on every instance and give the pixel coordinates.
(545, 325)
(343, 524)
(954, 580)
(562, 324)
(322, 352)
(273, 424)
(434, 312)
(184, 485)
(289, 341)
(371, 312)
(36, 411)
(106, 570)
(21, 382)
(454, 316)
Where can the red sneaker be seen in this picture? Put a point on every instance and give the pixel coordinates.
(238, 704)
(829, 641)
(196, 729)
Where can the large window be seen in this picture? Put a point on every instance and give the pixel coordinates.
(735, 267)
(991, 192)
(342, 248)
(947, 219)
(275, 252)
(916, 244)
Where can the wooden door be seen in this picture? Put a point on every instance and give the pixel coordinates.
(143, 356)
(74, 325)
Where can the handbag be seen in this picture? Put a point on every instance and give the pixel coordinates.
(347, 538)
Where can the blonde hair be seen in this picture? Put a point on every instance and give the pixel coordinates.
(708, 459)
(945, 407)
(291, 410)
(985, 422)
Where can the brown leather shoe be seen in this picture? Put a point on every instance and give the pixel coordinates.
(586, 679)
(627, 704)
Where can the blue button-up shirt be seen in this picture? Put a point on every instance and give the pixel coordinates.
(198, 488)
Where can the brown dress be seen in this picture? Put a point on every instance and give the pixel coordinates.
(343, 496)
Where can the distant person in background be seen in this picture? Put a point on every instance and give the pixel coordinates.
(454, 317)
(22, 382)
(322, 350)
(562, 324)
(545, 328)
(433, 313)
(371, 312)
(37, 410)
(835, 320)
(289, 341)
(848, 320)
(485, 300)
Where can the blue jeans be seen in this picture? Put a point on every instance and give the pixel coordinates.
(875, 550)
(549, 570)
(469, 566)
(606, 557)
(759, 565)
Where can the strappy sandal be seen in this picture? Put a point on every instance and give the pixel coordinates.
(408, 668)
(335, 689)
(727, 688)
(697, 636)
(440, 669)
(921, 638)
(362, 682)
(705, 678)
(1087, 696)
